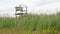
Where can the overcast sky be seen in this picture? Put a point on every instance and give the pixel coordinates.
(7, 6)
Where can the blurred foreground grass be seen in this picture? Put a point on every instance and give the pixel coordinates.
(31, 24)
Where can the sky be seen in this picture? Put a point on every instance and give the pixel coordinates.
(8, 6)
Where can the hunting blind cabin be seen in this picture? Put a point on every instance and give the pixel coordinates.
(21, 10)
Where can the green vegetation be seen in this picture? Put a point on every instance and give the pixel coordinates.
(41, 23)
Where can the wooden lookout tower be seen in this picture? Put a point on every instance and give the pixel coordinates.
(21, 10)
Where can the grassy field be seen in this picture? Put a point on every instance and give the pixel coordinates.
(31, 24)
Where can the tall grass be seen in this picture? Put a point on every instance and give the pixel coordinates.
(33, 22)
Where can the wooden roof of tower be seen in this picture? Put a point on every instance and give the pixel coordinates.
(18, 8)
